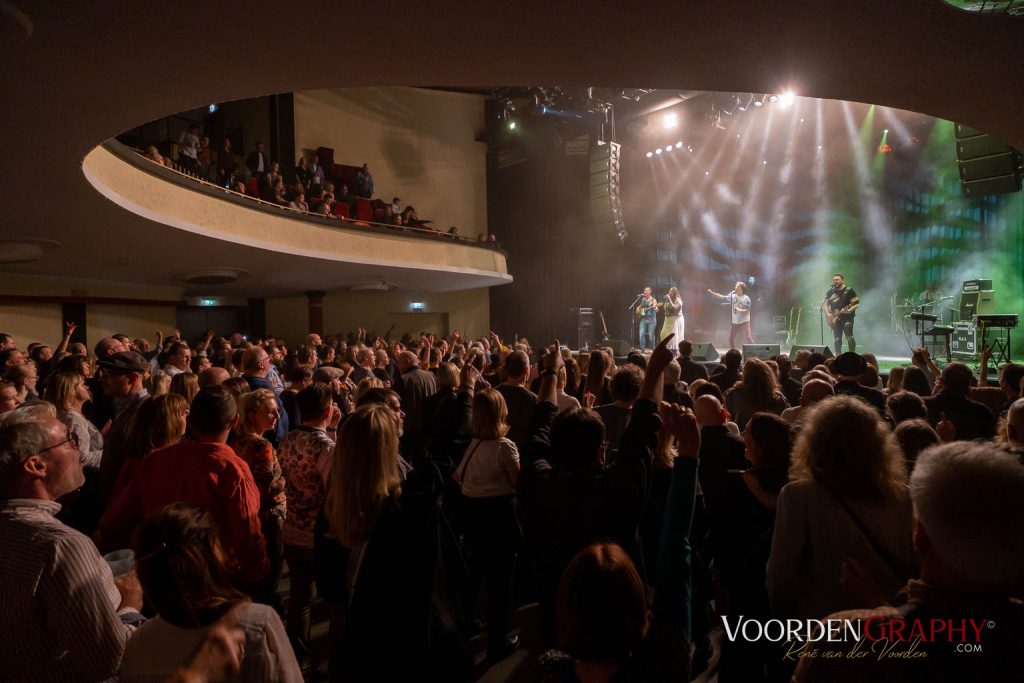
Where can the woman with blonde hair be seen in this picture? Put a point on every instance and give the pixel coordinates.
(364, 385)
(257, 415)
(185, 384)
(24, 378)
(159, 423)
(68, 393)
(159, 383)
(846, 512)
(487, 481)
(376, 548)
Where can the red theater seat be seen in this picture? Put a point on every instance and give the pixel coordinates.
(252, 188)
(364, 209)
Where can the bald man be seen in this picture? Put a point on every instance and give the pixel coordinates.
(815, 391)
(1015, 424)
(720, 449)
(212, 377)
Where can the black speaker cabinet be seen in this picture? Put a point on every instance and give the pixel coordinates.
(704, 351)
(762, 351)
(823, 350)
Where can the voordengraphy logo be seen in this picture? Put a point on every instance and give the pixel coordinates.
(884, 636)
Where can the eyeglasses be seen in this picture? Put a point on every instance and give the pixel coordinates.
(72, 439)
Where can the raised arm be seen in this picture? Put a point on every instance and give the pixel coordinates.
(62, 346)
(716, 294)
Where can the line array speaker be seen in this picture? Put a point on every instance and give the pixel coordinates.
(987, 164)
(605, 206)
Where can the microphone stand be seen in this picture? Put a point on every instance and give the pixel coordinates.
(633, 323)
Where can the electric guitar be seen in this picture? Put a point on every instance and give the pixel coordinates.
(604, 328)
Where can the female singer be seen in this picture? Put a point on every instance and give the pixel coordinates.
(674, 322)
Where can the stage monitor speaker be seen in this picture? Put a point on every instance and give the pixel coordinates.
(762, 351)
(823, 350)
(704, 351)
(605, 206)
(987, 164)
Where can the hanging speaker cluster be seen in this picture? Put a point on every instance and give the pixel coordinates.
(605, 206)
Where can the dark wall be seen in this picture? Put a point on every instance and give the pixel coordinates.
(538, 206)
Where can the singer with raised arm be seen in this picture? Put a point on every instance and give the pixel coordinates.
(674, 322)
(648, 312)
(840, 307)
(740, 304)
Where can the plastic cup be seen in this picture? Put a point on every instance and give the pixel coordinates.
(121, 561)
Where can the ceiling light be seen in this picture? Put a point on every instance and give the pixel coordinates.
(658, 151)
(670, 120)
(679, 144)
(650, 154)
(759, 101)
(786, 98)
(669, 148)
(773, 98)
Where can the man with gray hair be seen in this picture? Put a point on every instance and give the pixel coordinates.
(417, 385)
(255, 368)
(969, 537)
(64, 616)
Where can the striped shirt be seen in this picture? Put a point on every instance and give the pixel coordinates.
(58, 601)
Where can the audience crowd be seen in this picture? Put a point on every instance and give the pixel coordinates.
(308, 187)
(152, 497)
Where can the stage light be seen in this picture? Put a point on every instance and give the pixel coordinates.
(764, 163)
(786, 98)
(707, 172)
(801, 120)
(679, 144)
(885, 132)
(669, 148)
(670, 120)
(773, 98)
(689, 149)
(658, 151)
(737, 136)
(512, 124)
(759, 101)
(650, 154)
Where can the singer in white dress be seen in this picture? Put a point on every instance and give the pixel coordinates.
(674, 321)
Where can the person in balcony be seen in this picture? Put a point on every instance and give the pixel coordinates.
(299, 203)
(188, 146)
(268, 181)
(203, 157)
(394, 212)
(279, 192)
(364, 182)
(302, 175)
(258, 162)
(316, 177)
(349, 199)
(228, 165)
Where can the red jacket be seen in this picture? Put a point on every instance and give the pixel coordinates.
(207, 475)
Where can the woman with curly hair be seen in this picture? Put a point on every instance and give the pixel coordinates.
(845, 514)
(757, 392)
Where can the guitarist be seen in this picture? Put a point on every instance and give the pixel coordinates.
(648, 312)
(840, 306)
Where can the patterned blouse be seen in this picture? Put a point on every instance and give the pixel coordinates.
(306, 455)
(266, 471)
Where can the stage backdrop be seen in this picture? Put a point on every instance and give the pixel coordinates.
(780, 196)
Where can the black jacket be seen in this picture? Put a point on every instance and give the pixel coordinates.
(973, 420)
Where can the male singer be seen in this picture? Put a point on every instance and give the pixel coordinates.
(648, 312)
(840, 305)
(740, 303)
